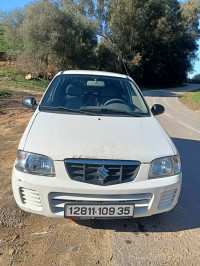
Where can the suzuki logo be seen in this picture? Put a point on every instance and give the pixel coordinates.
(103, 173)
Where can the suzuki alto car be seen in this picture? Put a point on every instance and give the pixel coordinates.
(93, 149)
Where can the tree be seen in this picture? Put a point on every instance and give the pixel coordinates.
(83, 7)
(77, 41)
(2, 14)
(196, 79)
(151, 39)
(51, 42)
(190, 11)
(12, 22)
(106, 57)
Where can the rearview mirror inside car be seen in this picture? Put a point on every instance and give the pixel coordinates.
(95, 83)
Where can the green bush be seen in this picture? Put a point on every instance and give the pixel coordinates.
(5, 94)
(15, 77)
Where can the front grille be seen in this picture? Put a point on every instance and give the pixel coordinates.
(30, 198)
(166, 199)
(57, 200)
(102, 172)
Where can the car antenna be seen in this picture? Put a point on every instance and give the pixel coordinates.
(125, 67)
(108, 39)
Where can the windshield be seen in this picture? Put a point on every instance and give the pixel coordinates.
(92, 94)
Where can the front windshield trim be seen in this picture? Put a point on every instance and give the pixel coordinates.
(104, 110)
(95, 112)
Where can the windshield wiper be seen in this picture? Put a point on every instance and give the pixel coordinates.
(68, 110)
(93, 111)
(107, 110)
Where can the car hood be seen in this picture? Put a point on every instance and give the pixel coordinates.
(62, 136)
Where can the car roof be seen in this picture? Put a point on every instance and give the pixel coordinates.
(92, 72)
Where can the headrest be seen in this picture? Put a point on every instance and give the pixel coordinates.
(108, 92)
(73, 90)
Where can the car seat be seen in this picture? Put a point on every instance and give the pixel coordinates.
(73, 97)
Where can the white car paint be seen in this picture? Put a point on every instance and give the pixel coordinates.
(78, 136)
(63, 135)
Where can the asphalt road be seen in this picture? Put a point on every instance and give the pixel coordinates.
(171, 238)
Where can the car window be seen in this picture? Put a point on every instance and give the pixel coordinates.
(98, 94)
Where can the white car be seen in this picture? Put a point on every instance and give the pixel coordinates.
(93, 149)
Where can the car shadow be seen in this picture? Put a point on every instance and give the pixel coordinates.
(186, 214)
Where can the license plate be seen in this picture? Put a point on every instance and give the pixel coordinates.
(73, 211)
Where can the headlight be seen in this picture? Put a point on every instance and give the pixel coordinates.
(34, 164)
(166, 166)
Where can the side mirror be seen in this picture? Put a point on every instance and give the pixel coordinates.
(157, 109)
(29, 102)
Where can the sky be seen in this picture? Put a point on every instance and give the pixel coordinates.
(7, 5)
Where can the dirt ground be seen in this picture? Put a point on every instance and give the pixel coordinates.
(29, 239)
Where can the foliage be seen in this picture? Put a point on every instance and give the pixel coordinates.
(12, 23)
(78, 42)
(152, 40)
(5, 47)
(15, 77)
(106, 57)
(191, 99)
(5, 94)
(190, 11)
(50, 42)
(195, 79)
(155, 41)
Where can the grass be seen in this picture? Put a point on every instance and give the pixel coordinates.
(5, 94)
(191, 99)
(196, 96)
(16, 78)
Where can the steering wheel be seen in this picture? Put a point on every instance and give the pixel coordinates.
(114, 100)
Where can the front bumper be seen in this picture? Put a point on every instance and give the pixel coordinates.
(47, 195)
